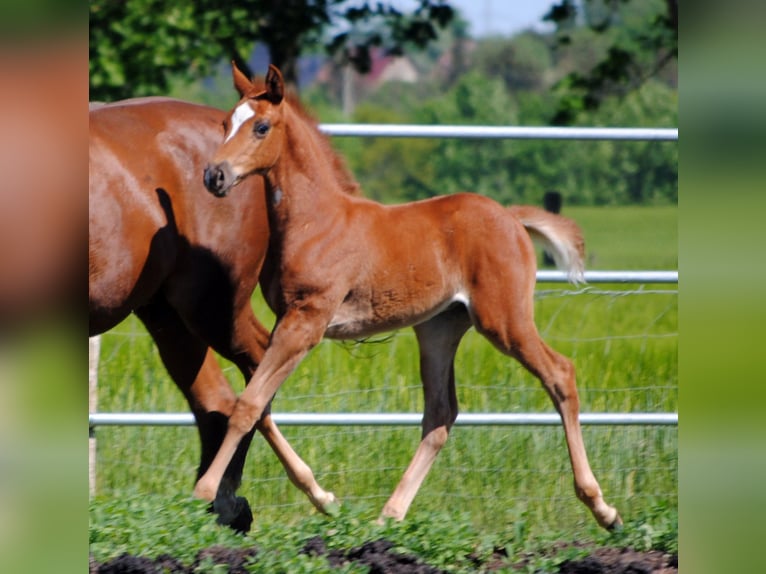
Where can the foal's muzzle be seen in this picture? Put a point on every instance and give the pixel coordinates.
(218, 179)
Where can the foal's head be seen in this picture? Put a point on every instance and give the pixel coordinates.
(254, 133)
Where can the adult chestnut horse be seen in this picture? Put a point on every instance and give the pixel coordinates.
(186, 264)
(346, 267)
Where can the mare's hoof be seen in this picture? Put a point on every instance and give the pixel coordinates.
(238, 516)
(244, 517)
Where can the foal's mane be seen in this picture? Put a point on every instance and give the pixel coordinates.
(343, 175)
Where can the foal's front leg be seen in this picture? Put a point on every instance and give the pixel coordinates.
(295, 334)
(250, 336)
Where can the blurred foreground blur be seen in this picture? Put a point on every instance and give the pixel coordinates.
(722, 427)
(43, 329)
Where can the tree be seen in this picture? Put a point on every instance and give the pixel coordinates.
(643, 40)
(521, 61)
(136, 46)
(513, 171)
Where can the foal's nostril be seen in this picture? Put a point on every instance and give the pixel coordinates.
(218, 179)
(213, 178)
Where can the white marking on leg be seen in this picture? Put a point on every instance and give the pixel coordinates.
(242, 113)
(461, 297)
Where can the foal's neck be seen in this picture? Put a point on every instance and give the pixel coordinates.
(302, 183)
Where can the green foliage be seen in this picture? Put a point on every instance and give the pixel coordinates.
(467, 165)
(151, 526)
(605, 172)
(628, 237)
(379, 25)
(585, 173)
(138, 46)
(448, 540)
(522, 62)
(507, 81)
(638, 40)
(393, 170)
(654, 529)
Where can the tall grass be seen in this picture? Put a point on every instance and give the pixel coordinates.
(624, 347)
(633, 237)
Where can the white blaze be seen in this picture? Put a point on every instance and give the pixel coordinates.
(242, 113)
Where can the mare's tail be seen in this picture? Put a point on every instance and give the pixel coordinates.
(560, 236)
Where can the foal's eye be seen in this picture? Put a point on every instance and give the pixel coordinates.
(261, 129)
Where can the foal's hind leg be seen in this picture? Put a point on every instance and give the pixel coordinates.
(438, 339)
(513, 331)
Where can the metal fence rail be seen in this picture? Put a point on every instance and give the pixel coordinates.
(413, 419)
(645, 277)
(500, 132)
(545, 276)
(96, 419)
(394, 419)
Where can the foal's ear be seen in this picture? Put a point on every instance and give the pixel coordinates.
(241, 83)
(275, 86)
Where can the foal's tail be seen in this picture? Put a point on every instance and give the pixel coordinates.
(560, 236)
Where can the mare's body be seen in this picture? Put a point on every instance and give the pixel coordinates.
(346, 267)
(162, 247)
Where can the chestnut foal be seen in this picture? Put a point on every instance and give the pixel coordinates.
(346, 267)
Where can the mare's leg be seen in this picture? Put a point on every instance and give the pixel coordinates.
(509, 325)
(295, 334)
(194, 369)
(438, 339)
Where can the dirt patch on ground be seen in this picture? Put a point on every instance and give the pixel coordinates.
(623, 561)
(379, 556)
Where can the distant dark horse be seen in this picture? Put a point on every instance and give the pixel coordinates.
(346, 267)
(162, 247)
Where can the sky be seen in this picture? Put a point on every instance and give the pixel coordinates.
(496, 17)
(503, 17)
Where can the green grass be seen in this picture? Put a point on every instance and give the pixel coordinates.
(151, 526)
(502, 479)
(631, 237)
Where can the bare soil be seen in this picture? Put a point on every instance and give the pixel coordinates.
(381, 559)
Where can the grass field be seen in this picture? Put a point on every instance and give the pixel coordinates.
(623, 340)
(628, 237)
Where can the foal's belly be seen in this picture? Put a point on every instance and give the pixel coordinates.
(356, 319)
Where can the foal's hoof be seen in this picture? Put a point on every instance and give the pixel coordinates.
(332, 508)
(389, 515)
(616, 525)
